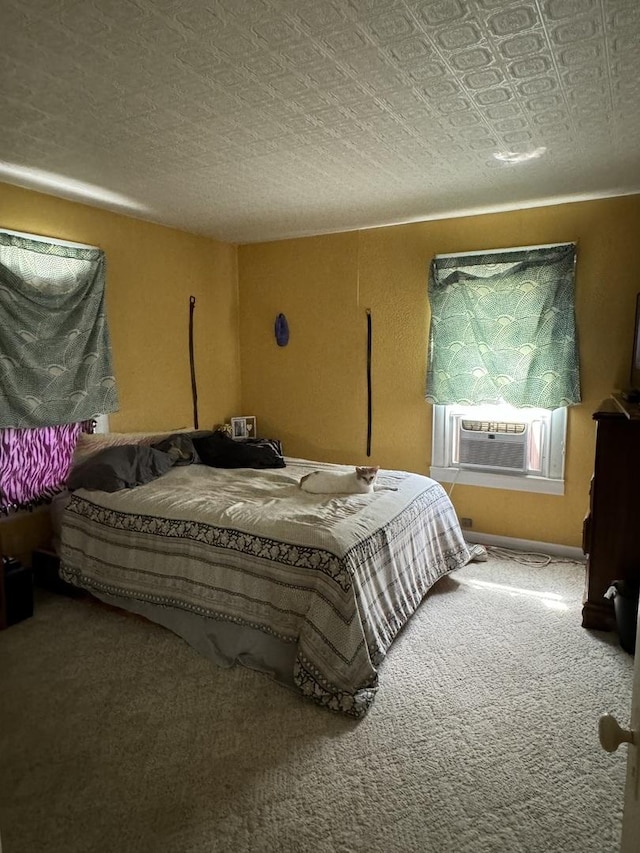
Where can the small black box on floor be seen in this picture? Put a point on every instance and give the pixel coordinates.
(46, 565)
(18, 590)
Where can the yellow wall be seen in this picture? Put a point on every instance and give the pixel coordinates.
(312, 393)
(151, 272)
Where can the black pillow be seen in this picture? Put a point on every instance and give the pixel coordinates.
(120, 467)
(220, 451)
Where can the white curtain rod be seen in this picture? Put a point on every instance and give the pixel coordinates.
(503, 251)
(42, 239)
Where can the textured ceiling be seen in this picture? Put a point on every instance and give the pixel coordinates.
(251, 120)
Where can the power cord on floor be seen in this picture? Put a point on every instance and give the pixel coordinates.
(526, 558)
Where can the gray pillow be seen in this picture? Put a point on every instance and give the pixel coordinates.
(122, 467)
(180, 447)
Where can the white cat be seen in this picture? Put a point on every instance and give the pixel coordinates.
(359, 481)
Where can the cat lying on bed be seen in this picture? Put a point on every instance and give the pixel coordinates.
(359, 481)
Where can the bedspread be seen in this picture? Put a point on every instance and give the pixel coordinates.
(335, 575)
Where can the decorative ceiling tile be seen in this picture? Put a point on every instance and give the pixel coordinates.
(625, 42)
(392, 26)
(440, 88)
(510, 124)
(557, 10)
(490, 5)
(278, 31)
(327, 76)
(193, 20)
(585, 53)
(243, 119)
(343, 41)
(493, 96)
(288, 86)
(550, 117)
(263, 66)
(481, 144)
(318, 17)
(484, 79)
(530, 67)
(438, 12)
(477, 58)
(256, 96)
(422, 71)
(544, 102)
(295, 56)
(362, 61)
(365, 109)
(195, 56)
(517, 137)
(350, 93)
(453, 106)
(585, 75)
(308, 101)
(522, 45)
(625, 19)
(464, 119)
(578, 30)
(386, 80)
(410, 50)
(503, 110)
(247, 11)
(513, 20)
(456, 38)
(538, 85)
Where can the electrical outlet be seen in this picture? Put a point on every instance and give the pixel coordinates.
(466, 523)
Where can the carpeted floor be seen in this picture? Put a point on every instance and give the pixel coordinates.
(115, 736)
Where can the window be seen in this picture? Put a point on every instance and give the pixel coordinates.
(56, 360)
(503, 366)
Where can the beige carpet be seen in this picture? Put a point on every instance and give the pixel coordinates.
(115, 736)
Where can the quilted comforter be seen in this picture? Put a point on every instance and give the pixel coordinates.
(337, 576)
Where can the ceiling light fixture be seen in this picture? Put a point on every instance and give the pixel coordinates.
(519, 156)
(38, 179)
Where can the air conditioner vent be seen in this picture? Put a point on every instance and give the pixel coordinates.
(494, 426)
(491, 445)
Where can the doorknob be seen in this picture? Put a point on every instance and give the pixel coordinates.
(611, 735)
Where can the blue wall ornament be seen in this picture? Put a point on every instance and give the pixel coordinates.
(282, 330)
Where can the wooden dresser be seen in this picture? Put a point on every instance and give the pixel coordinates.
(611, 530)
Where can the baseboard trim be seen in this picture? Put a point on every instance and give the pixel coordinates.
(566, 551)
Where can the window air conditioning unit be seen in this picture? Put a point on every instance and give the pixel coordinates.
(491, 445)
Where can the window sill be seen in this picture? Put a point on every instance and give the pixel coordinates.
(512, 482)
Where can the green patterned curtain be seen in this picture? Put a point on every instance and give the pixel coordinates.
(55, 356)
(503, 329)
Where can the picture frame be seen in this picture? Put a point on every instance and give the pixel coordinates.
(243, 428)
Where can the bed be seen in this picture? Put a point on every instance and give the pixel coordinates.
(248, 568)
